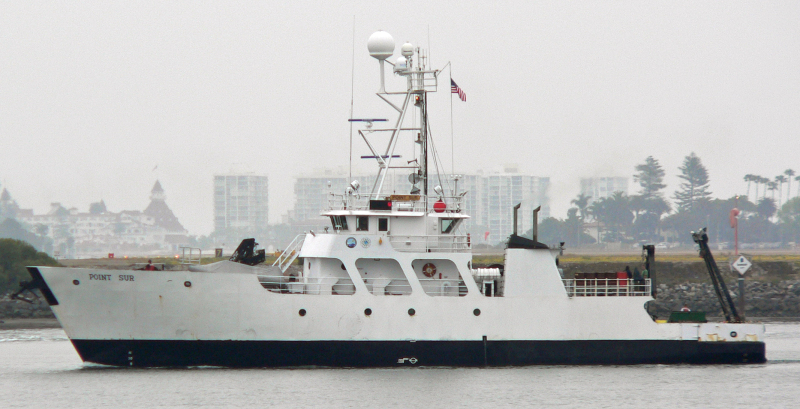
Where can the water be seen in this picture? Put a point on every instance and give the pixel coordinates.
(39, 368)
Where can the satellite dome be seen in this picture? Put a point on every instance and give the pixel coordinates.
(380, 45)
(401, 64)
(407, 50)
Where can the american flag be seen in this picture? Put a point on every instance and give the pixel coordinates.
(455, 89)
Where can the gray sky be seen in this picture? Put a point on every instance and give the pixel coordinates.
(94, 95)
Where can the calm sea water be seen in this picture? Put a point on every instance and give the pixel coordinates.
(39, 368)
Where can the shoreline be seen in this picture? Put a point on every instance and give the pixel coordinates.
(28, 323)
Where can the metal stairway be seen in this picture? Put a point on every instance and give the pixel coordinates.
(290, 254)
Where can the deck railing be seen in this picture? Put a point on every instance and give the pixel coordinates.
(318, 286)
(361, 202)
(191, 255)
(431, 243)
(443, 287)
(607, 287)
(432, 287)
(387, 286)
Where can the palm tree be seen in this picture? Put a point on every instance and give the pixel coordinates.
(748, 178)
(764, 181)
(598, 212)
(797, 179)
(780, 179)
(757, 181)
(789, 173)
(772, 187)
(582, 203)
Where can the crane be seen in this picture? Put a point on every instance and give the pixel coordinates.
(728, 308)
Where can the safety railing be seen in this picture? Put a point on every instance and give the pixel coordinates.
(431, 244)
(425, 203)
(388, 286)
(424, 80)
(191, 255)
(432, 287)
(285, 259)
(316, 286)
(443, 287)
(607, 287)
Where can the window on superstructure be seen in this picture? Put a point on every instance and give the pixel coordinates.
(383, 224)
(448, 225)
(362, 223)
(339, 223)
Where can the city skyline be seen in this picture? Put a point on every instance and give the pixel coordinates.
(100, 99)
(335, 174)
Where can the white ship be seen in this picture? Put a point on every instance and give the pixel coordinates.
(390, 283)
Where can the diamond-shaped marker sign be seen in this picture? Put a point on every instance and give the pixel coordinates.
(741, 265)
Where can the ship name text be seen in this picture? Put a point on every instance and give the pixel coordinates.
(107, 277)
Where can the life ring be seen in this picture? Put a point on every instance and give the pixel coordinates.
(733, 334)
(429, 270)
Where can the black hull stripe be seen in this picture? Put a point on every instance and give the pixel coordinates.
(166, 353)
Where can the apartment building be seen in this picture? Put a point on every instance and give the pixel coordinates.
(240, 203)
(600, 187)
(489, 197)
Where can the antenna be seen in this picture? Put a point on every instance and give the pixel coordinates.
(352, 92)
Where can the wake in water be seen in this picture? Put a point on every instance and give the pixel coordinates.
(21, 335)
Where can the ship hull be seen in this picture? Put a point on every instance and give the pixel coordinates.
(184, 318)
(181, 353)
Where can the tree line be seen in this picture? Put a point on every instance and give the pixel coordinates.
(15, 256)
(649, 216)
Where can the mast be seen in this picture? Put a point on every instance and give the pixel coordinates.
(419, 81)
(424, 141)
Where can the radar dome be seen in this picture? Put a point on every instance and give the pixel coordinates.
(401, 64)
(407, 50)
(380, 45)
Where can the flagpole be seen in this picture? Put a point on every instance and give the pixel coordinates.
(452, 145)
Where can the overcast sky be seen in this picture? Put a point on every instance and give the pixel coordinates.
(95, 95)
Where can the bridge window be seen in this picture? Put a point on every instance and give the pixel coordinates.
(339, 223)
(448, 225)
(362, 223)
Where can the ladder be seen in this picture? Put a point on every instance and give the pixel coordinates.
(290, 254)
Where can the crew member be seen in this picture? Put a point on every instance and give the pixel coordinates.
(685, 308)
(150, 266)
(638, 281)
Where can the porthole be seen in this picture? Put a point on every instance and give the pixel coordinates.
(187, 284)
(476, 312)
(76, 282)
(302, 312)
(411, 312)
(368, 312)
(734, 334)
